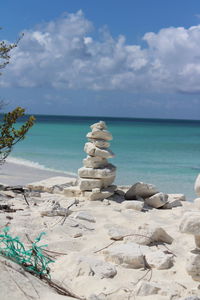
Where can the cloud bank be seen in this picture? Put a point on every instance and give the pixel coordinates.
(64, 54)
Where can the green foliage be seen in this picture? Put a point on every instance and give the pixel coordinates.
(9, 136)
(5, 53)
(33, 259)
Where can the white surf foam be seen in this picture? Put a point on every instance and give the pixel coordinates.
(36, 165)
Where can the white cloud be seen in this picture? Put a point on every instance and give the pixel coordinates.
(63, 54)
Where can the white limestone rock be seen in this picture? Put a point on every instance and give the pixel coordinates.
(92, 150)
(94, 162)
(179, 197)
(87, 184)
(108, 171)
(146, 288)
(157, 200)
(174, 200)
(190, 224)
(99, 267)
(197, 185)
(197, 203)
(101, 125)
(172, 203)
(135, 205)
(100, 143)
(47, 185)
(140, 189)
(128, 255)
(118, 232)
(160, 260)
(56, 210)
(193, 266)
(100, 135)
(86, 216)
(72, 191)
(97, 194)
(148, 234)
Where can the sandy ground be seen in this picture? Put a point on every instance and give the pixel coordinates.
(16, 174)
(82, 248)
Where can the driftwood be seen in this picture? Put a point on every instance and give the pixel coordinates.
(18, 189)
(7, 208)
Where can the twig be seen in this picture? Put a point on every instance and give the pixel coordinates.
(181, 285)
(46, 250)
(143, 276)
(136, 234)
(67, 209)
(105, 247)
(25, 198)
(55, 252)
(62, 290)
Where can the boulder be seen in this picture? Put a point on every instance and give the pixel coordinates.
(84, 215)
(128, 255)
(148, 234)
(190, 224)
(141, 189)
(197, 185)
(92, 150)
(160, 260)
(157, 200)
(99, 135)
(108, 171)
(135, 205)
(172, 203)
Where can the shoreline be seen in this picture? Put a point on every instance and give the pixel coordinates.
(18, 174)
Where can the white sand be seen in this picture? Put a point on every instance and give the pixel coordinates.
(79, 239)
(17, 174)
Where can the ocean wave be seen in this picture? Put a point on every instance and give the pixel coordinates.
(36, 165)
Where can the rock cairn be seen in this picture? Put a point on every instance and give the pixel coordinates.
(97, 174)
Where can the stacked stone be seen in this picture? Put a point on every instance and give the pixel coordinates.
(97, 174)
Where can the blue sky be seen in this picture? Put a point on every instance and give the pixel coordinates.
(131, 58)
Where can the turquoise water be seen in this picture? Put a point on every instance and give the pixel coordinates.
(163, 152)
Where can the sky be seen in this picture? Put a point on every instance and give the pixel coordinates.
(130, 58)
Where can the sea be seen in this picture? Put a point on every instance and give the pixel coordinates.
(165, 153)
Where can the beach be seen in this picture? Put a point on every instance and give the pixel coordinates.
(110, 249)
(92, 239)
(162, 152)
(18, 174)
